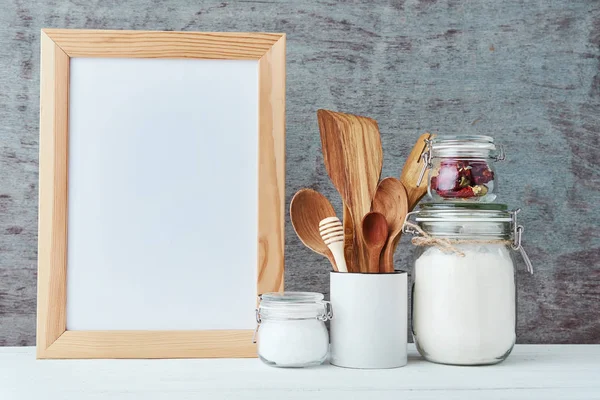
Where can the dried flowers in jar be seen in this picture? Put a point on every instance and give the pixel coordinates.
(462, 168)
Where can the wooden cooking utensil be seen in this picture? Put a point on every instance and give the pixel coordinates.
(411, 171)
(353, 158)
(332, 233)
(375, 233)
(307, 209)
(348, 238)
(391, 201)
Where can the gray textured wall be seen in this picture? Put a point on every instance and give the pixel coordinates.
(526, 72)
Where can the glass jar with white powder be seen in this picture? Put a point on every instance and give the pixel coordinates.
(463, 294)
(291, 329)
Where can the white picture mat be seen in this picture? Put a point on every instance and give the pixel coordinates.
(163, 194)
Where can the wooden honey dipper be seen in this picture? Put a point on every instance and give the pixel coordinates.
(332, 233)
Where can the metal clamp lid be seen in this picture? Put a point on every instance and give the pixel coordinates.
(326, 316)
(427, 157)
(517, 233)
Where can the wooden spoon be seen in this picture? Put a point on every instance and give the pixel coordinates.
(412, 170)
(307, 209)
(391, 201)
(353, 158)
(375, 233)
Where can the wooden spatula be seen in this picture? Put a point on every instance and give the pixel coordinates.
(353, 158)
(412, 170)
(391, 201)
(307, 209)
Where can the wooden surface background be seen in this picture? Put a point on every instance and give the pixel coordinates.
(525, 72)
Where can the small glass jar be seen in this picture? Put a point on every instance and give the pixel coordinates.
(463, 292)
(291, 329)
(462, 168)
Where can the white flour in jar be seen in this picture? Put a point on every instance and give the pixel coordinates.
(293, 343)
(464, 307)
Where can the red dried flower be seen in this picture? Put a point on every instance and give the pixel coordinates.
(481, 172)
(462, 178)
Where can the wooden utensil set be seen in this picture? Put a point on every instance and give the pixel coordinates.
(374, 211)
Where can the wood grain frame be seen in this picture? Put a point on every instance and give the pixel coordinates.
(57, 47)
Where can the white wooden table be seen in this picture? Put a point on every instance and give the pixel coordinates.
(532, 372)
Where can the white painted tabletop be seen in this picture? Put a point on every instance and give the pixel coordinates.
(531, 372)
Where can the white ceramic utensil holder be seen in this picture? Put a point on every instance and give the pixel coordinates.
(369, 329)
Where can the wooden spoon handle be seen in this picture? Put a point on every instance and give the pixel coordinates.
(373, 261)
(386, 263)
(331, 259)
(387, 257)
(349, 240)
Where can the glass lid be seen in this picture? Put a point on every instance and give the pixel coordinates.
(291, 305)
(464, 219)
(449, 139)
(470, 206)
(463, 212)
(463, 146)
(292, 297)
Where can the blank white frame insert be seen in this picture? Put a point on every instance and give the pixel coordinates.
(163, 191)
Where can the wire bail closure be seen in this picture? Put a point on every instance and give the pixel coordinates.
(328, 312)
(501, 156)
(258, 321)
(407, 228)
(517, 235)
(426, 157)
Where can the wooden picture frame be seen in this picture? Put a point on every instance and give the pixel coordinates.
(57, 48)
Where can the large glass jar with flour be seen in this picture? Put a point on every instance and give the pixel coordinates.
(463, 293)
(291, 329)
